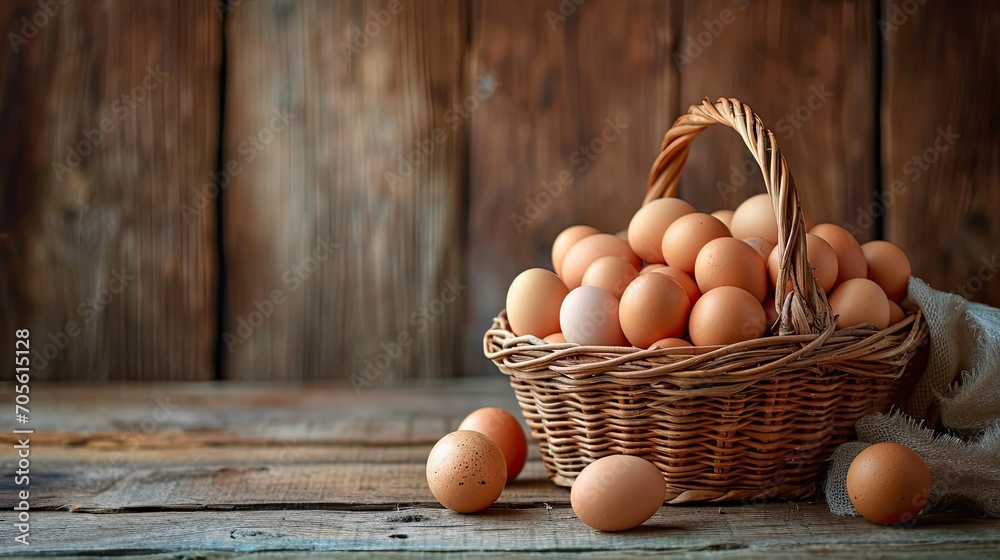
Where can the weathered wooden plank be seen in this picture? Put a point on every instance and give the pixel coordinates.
(111, 115)
(343, 226)
(941, 176)
(688, 531)
(568, 137)
(119, 485)
(270, 495)
(808, 70)
(917, 552)
(185, 415)
(94, 458)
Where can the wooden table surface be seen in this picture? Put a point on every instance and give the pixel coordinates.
(234, 470)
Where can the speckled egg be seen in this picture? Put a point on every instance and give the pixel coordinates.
(505, 430)
(888, 483)
(466, 471)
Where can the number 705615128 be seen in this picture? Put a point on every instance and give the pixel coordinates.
(22, 374)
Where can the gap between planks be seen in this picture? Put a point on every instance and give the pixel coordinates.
(761, 530)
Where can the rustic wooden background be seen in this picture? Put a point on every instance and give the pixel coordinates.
(375, 160)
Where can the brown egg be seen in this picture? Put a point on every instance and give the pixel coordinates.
(896, 313)
(617, 492)
(860, 301)
(687, 235)
(888, 267)
(466, 471)
(850, 258)
(823, 260)
(589, 249)
(728, 261)
(888, 483)
(669, 343)
(611, 274)
(505, 431)
(682, 278)
(651, 267)
(533, 302)
(645, 231)
(762, 247)
(565, 240)
(726, 315)
(820, 256)
(755, 218)
(653, 306)
(589, 316)
(555, 338)
(724, 216)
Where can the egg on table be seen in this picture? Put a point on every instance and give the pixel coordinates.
(888, 483)
(505, 431)
(617, 492)
(466, 471)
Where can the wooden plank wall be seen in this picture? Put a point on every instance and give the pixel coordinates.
(97, 259)
(811, 83)
(567, 138)
(409, 144)
(367, 179)
(940, 145)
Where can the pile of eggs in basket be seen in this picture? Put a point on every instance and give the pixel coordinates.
(678, 277)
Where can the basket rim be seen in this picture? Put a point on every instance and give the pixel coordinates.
(852, 349)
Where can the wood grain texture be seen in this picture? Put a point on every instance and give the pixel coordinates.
(586, 93)
(196, 415)
(808, 70)
(119, 486)
(907, 552)
(942, 192)
(331, 261)
(171, 498)
(110, 115)
(788, 530)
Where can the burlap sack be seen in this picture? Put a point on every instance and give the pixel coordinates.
(962, 380)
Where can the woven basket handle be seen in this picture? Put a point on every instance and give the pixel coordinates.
(805, 309)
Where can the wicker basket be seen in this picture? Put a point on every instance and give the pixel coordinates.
(753, 420)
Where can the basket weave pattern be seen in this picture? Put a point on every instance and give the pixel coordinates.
(752, 420)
